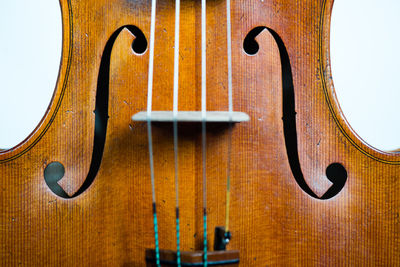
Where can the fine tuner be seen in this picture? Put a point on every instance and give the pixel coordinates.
(194, 133)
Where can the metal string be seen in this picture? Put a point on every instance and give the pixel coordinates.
(149, 107)
(228, 170)
(203, 124)
(175, 126)
(175, 121)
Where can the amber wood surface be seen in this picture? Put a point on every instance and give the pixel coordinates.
(273, 220)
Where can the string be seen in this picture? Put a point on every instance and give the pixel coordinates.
(203, 124)
(228, 171)
(175, 126)
(149, 107)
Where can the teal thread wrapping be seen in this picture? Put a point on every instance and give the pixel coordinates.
(205, 261)
(178, 240)
(156, 236)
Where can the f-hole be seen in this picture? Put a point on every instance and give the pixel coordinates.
(335, 172)
(54, 172)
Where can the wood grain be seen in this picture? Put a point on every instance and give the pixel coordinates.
(273, 220)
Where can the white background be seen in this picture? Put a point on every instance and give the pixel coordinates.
(365, 67)
(30, 53)
(364, 55)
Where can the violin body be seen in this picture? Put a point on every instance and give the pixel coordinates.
(305, 189)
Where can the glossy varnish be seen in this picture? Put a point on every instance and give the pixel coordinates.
(273, 220)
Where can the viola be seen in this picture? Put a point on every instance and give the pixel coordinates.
(194, 133)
